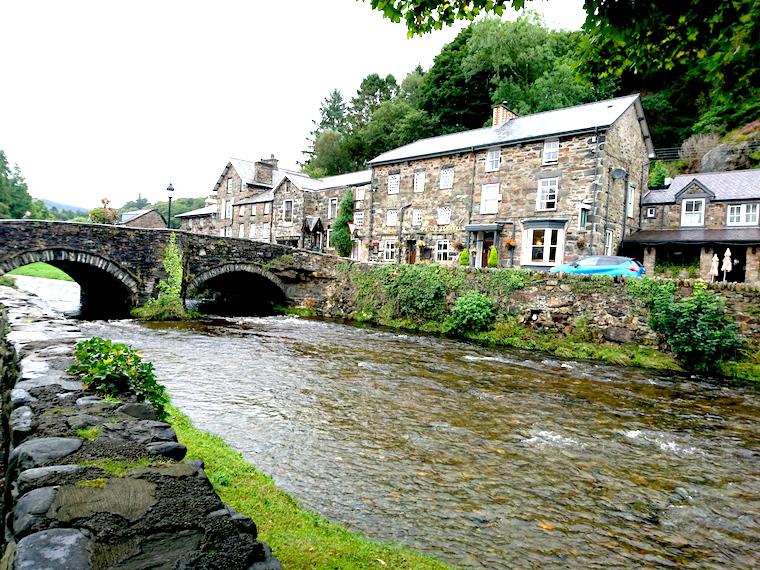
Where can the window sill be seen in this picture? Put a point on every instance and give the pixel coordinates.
(546, 209)
(550, 163)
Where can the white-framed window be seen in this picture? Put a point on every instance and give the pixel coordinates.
(743, 214)
(608, 238)
(189, 223)
(391, 218)
(417, 217)
(229, 186)
(221, 232)
(241, 231)
(241, 211)
(442, 250)
(419, 181)
(394, 181)
(651, 212)
(287, 211)
(332, 208)
(228, 210)
(693, 212)
(551, 151)
(251, 231)
(358, 218)
(222, 209)
(267, 208)
(444, 215)
(228, 231)
(489, 199)
(358, 194)
(389, 250)
(493, 160)
(254, 207)
(543, 246)
(629, 201)
(547, 194)
(583, 217)
(329, 237)
(447, 177)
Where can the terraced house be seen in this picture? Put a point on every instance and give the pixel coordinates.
(544, 189)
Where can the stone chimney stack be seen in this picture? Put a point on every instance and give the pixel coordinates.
(265, 170)
(502, 114)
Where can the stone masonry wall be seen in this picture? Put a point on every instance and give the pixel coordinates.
(94, 484)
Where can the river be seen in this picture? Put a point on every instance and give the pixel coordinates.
(484, 458)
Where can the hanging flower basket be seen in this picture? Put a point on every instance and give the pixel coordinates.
(420, 244)
(511, 244)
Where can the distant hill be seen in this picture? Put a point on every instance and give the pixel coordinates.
(60, 206)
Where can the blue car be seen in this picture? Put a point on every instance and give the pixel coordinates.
(603, 265)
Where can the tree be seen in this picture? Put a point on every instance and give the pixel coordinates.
(15, 200)
(330, 155)
(658, 172)
(332, 114)
(341, 234)
(372, 91)
(411, 85)
(426, 15)
(139, 203)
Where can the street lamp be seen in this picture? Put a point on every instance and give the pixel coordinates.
(169, 191)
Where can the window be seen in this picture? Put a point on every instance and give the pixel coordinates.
(228, 210)
(329, 237)
(359, 218)
(391, 218)
(551, 152)
(358, 194)
(493, 160)
(489, 199)
(228, 231)
(651, 212)
(332, 208)
(393, 183)
(743, 214)
(241, 231)
(693, 212)
(189, 223)
(389, 250)
(419, 181)
(543, 246)
(417, 217)
(253, 210)
(229, 186)
(221, 232)
(447, 177)
(201, 223)
(547, 194)
(442, 250)
(251, 231)
(287, 211)
(444, 216)
(629, 202)
(267, 208)
(582, 218)
(241, 213)
(608, 242)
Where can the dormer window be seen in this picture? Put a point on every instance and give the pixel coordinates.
(551, 152)
(693, 212)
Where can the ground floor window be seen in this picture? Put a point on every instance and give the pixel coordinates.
(389, 250)
(329, 238)
(608, 242)
(241, 231)
(544, 245)
(442, 250)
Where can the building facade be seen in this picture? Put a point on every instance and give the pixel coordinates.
(542, 189)
(150, 218)
(698, 216)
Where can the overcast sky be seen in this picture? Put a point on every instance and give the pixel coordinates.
(111, 99)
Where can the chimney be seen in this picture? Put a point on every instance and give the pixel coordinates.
(502, 114)
(272, 161)
(265, 169)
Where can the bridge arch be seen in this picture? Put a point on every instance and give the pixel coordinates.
(239, 288)
(107, 289)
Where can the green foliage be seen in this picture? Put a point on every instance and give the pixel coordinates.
(341, 235)
(15, 200)
(658, 172)
(7, 281)
(423, 16)
(104, 215)
(416, 291)
(464, 258)
(179, 206)
(89, 433)
(493, 257)
(472, 312)
(112, 369)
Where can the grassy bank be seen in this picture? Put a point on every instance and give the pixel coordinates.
(299, 538)
(41, 270)
(6, 281)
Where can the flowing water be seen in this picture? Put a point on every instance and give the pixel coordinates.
(494, 459)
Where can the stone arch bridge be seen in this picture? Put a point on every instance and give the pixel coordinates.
(119, 267)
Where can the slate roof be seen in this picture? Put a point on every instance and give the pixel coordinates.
(578, 119)
(733, 185)
(206, 211)
(267, 196)
(127, 216)
(350, 179)
(697, 235)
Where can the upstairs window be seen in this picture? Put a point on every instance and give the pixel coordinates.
(358, 218)
(417, 217)
(253, 210)
(332, 208)
(489, 199)
(267, 208)
(551, 152)
(419, 181)
(693, 212)
(583, 218)
(447, 177)
(228, 210)
(743, 214)
(444, 215)
(287, 211)
(547, 194)
(394, 180)
(629, 202)
(229, 186)
(493, 160)
(442, 250)
(241, 211)
(391, 218)
(358, 194)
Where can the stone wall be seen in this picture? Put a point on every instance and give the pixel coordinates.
(95, 484)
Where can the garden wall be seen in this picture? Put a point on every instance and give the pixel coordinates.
(98, 484)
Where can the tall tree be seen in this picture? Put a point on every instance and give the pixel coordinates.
(341, 235)
(332, 114)
(372, 91)
(15, 200)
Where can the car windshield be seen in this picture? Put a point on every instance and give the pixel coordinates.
(612, 260)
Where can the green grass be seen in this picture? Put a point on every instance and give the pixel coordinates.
(6, 281)
(116, 467)
(90, 432)
(299, 538)
(41, 270)
(745, 369)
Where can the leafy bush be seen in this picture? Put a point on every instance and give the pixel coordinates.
(112, 369)
(472, 312)
(464, 258)
(416, 291)
(341, 236)
(493, 257)
(7, 281)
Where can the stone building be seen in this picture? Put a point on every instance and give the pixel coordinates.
(200, 221)
(544, 189)
(150, 218)
(697, 216)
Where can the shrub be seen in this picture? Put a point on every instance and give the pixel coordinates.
(464, 258)
(472, 312)
(113, 369)
(341, 236)
(416, 291)
(493, 257)
(7, 281)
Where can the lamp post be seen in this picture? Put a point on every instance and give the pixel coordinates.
(169, 191)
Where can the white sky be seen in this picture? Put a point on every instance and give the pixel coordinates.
(111, 99)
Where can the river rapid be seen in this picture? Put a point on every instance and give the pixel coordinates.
(484, 458)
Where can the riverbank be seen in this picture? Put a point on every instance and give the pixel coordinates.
(42, 270)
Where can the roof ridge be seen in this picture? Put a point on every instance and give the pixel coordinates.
(571, 107)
